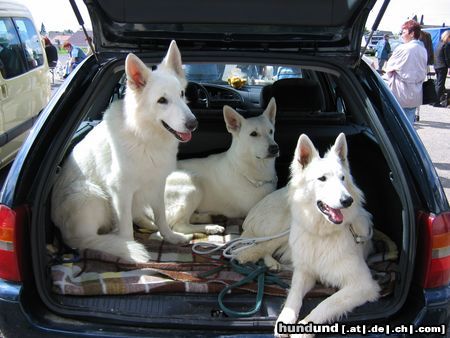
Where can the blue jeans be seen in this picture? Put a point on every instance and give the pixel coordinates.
(381, 63)
(410, 114)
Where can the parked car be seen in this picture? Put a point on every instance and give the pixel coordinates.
(335, 94)
(24, 80)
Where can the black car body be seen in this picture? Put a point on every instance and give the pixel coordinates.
(336, 93)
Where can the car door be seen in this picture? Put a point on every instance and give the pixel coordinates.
(24, 83)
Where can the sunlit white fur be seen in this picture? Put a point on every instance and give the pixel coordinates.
(319, 250)
(118, 171)
(229, 183)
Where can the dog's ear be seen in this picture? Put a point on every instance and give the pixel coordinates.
(172, 60)
(232, 118)
(137, 72)
(305, 151)
(271, 110)
(340, 147)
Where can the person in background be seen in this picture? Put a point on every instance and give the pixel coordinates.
(407, 68)
(425, 38)
(51, 52)
(382, 51)
(76, 56)
(441, 66)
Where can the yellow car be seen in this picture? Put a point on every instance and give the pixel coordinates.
(24, 81)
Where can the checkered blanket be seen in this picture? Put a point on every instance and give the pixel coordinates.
(174, 269)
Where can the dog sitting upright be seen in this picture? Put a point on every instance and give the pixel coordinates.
(229, 183)
(119, 169)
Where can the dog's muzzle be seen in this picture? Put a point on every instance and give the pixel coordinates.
(334, 215)
(191, 125)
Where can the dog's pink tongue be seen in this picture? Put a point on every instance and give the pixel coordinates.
(336, 215)
(185, 137)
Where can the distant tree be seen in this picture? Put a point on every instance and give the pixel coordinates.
(68, 32)
(43, 31)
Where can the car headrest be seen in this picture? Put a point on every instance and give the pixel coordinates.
(293, 94)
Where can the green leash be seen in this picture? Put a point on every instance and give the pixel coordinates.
(251, 272)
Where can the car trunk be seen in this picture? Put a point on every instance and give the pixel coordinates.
(388, 200)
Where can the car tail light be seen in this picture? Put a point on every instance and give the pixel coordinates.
(10, 242)
(435, 237)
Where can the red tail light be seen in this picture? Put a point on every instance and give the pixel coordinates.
(10, 243)
(435, 237)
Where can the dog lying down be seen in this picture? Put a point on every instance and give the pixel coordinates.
(119, 169)
(324, 209)
(229, 183)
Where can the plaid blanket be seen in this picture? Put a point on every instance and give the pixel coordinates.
(176, 269)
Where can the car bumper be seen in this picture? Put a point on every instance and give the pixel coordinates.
(16, 321)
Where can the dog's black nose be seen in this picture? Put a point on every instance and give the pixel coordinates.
(346, 201)
(273, 149)
(191, 125)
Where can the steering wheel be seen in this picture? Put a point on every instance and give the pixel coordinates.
(197, 95)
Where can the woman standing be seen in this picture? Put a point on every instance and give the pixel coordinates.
(407, 68)
(441, 65)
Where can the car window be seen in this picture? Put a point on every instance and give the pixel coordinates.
(11, 55)
(30, 41)
(253, 74)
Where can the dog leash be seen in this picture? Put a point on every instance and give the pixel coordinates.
(233, 247)
(251, 272)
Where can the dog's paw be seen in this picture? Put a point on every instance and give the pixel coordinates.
(214, 229)
(245, 256)
(287, 316)
(146, 223)
(137, 253)
(271, 263)
(302, 335)
(177, 238)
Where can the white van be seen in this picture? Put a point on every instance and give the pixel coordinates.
(24, 81)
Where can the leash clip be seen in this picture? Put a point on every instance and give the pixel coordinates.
(358, 238)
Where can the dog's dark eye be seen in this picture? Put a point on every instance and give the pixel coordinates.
(253, 134)
(322, 178)
(342, 178)
(162, 100)
(271, 132)
(182, 93)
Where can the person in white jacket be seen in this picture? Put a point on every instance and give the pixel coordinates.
(407, 69)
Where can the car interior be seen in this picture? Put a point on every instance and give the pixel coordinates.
(311, 100)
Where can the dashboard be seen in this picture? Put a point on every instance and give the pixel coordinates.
(215, 96)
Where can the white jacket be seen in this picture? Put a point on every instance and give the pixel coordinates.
(406, 70)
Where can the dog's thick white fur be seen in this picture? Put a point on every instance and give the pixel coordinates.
(323, 203)
(319, 204)
(229, 183)
(119, 169)
(269, 217)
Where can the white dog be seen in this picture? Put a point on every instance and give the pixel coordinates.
(119, 169)
(327, 215)
(229, 183)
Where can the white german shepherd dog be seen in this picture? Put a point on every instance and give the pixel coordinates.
(229, 183)
(119, 169)
(325, 214)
